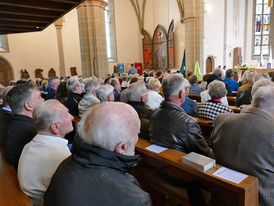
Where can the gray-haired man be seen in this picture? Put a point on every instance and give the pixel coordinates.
(171, 127)
(41, 157)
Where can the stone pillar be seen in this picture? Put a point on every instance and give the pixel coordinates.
(92, 36)
(58, 25)
(194, 33)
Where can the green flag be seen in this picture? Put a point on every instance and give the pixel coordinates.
(197, 71)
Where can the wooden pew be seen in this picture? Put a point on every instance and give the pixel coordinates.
(231, 100)
(195, 97)
(243, 194)
(10, 192)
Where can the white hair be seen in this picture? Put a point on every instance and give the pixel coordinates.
(153, 82)
(104, 91)
(72, 83)
(260, 83)
(264, 98)
(45, 114)
(91, 85)
(105, 129)
(172, 85)
(261, 76)
(135, 91)
(216, 89)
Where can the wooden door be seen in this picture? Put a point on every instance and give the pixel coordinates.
(209, 65)
(4, 75)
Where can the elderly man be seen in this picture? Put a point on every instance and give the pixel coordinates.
(23, 98)
(41, 157)
(251, 150)
(75, 89)
(249, 79)
(137, 98)
(96, 173)
(53, 84)
(90, 99)
(105, 93)
(171, 127)
(189, 105)
(117, 88)
(5, 116)
(228, 80)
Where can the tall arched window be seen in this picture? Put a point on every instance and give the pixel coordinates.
(4, 46)
(110, 31)
(262, 28)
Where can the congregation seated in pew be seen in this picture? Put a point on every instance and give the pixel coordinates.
(186, 129)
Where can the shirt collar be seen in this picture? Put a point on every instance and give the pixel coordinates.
(7, 109)
(46, 138)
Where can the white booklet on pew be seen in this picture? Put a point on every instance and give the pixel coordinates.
(156, 148)
(199, 162)
(230, 175)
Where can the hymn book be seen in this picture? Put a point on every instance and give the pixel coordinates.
(199, 162)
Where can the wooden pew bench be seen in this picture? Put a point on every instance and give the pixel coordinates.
(10, 192)
(243, 194)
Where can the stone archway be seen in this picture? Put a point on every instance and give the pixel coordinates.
(6, 72)
(209, 64)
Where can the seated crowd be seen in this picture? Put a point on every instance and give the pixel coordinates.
(61, 163)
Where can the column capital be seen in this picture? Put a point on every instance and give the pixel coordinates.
(59, 23)
(100, 3)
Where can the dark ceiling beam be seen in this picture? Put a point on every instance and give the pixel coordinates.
(27, 12)
(4, 28)
(37, 4)
(20, 18)
(67, 1)
(22, 24)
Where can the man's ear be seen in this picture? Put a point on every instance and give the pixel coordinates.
(143, 99)
(28, 106)
(181, 93)
(120, 148)
(54, 128)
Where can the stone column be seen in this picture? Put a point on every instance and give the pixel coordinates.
(58, 25)
(92, 36)
(194, 33)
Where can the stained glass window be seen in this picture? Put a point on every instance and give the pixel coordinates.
(262, 20)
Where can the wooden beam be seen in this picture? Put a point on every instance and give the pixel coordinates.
(6, 28)
(38, 4)
(21, 18)
(22, 24)
(28, 12)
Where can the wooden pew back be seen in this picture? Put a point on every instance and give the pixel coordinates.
(10, 192)
(243, 194)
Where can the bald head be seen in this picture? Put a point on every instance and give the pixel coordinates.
(112, 126)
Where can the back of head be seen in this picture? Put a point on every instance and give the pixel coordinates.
(104, 91)
(136, 91)
(107, 125)
(211, 78)
(229, 73)
(260, 76)
(153, 82)
(216, 89)
(91, 85)
(5, 95)
(172, 85)
(20, 94)
(250, 76)
(46, 113)
(218, 72)
(113, 82)
(193, 79)
(72, 83)
(62, 91)
(260, 83)
(264, 98)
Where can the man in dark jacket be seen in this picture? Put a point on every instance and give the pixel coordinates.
(53, 84)
(171, 127)
(96, 173)
(23, 98)
(137, 98)
(75, 89)
(5, 116)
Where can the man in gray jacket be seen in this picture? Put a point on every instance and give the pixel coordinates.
(244, 142)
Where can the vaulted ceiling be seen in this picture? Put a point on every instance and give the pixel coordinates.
(17, 16)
